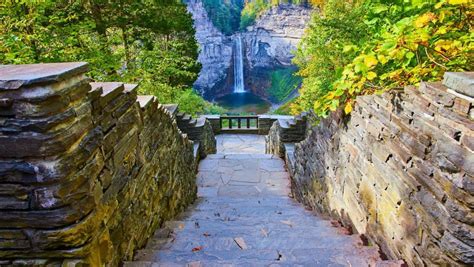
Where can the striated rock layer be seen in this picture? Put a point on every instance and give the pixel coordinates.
(215, 53)
(88, 171)
(399, 170)
(276, 33)
(270, 43)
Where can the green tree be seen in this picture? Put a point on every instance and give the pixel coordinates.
(224, 14)
(150, 42)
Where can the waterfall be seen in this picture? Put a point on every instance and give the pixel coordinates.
(238, 66)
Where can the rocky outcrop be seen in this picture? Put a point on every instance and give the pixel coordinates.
(88, 171)
(215, 53)
(399, 170)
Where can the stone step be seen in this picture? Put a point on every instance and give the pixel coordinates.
(284, 242)
(241, 156)
(251, 257)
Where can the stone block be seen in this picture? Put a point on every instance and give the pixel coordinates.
(461, 82)
(43, 101)
(50, 144)
(462, 106)
(13, 77)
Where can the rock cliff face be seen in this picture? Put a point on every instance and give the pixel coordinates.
(271, 40)
(215, 55)
(268, 45)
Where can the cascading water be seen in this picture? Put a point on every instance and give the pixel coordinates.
(238, 66)
(241, 101)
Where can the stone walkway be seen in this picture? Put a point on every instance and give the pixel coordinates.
(245, 217)
(240, 144)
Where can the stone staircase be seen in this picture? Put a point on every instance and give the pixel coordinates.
(189, 125)
(284, 133)
(197, 129)
(293, 129)
(245, 216)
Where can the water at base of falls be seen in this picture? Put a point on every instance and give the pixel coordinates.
(243, 103)
(238, 66)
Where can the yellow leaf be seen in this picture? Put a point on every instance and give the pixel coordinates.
(424, 19)
(370, 61)
(371, 75)
(458, 2)
(382, 59)
(348, 108)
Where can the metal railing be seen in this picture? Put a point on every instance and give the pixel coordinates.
(238, 123)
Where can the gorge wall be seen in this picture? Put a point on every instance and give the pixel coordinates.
(268, 45)
(215, 55)
(88, 171)
(399, 170)
(270, 42)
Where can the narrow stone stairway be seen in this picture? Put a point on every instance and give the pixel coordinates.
(244, 216)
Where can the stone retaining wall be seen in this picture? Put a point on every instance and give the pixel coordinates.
(87, 171)
(399, 170)
(285, 131)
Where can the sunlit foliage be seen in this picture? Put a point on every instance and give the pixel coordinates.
(147, 42)
(365, 47)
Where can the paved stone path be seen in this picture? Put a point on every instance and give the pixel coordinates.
(244, 217)
(240, 144)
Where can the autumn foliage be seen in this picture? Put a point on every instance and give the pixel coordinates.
(364, 47)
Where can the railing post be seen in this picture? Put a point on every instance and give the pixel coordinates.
(248, 123)
(257, 122)
(238, 122)
(230, 123)
(220, 122)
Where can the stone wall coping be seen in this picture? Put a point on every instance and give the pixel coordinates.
(275, 117)
(215, 117)
(129, 88)
(13, 77)
(461, 82)
(145, 100)
(261, 116)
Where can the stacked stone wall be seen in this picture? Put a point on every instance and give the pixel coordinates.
(284, 132)
(399, 170)
(88, 171)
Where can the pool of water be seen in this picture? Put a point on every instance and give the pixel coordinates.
(243, 103)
